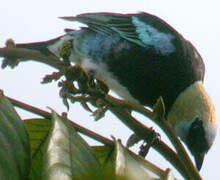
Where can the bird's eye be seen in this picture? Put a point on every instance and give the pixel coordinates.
(197, 124)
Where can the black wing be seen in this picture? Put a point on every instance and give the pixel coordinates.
(110, 23)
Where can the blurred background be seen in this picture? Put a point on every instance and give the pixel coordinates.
(31, 21)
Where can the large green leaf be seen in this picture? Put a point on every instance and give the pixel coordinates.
(14, 143)
(38, 130)
(68, 155)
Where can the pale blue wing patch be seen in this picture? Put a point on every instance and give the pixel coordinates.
(150, 36)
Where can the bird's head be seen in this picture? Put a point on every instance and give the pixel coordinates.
(194, 117)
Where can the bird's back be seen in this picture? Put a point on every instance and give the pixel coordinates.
(162, 64)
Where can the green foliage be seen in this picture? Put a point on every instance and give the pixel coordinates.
(57, 151)
(14, 142)
(38, 130)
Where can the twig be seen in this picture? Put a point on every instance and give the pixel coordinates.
(162, 123)
(141, 130)
(22, 54)
(145, 133)
(47, 115)
(180, 150)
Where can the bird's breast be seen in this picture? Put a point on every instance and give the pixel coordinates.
(101, 71)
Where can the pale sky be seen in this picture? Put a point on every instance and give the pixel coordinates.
(30, 21)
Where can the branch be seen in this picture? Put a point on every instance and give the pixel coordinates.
(15, 55)
(146, 133)
(48, 115)
(84, 131)
(141, 131)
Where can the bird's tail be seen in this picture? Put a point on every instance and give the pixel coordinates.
(50, 47)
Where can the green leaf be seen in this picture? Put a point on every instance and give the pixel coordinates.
(14, 143)
(106, 157)
(38, 130)
(68, 155)
(104, 154)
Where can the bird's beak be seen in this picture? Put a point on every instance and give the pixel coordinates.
(199, 160)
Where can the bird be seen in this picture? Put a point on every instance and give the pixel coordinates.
(142, 58)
